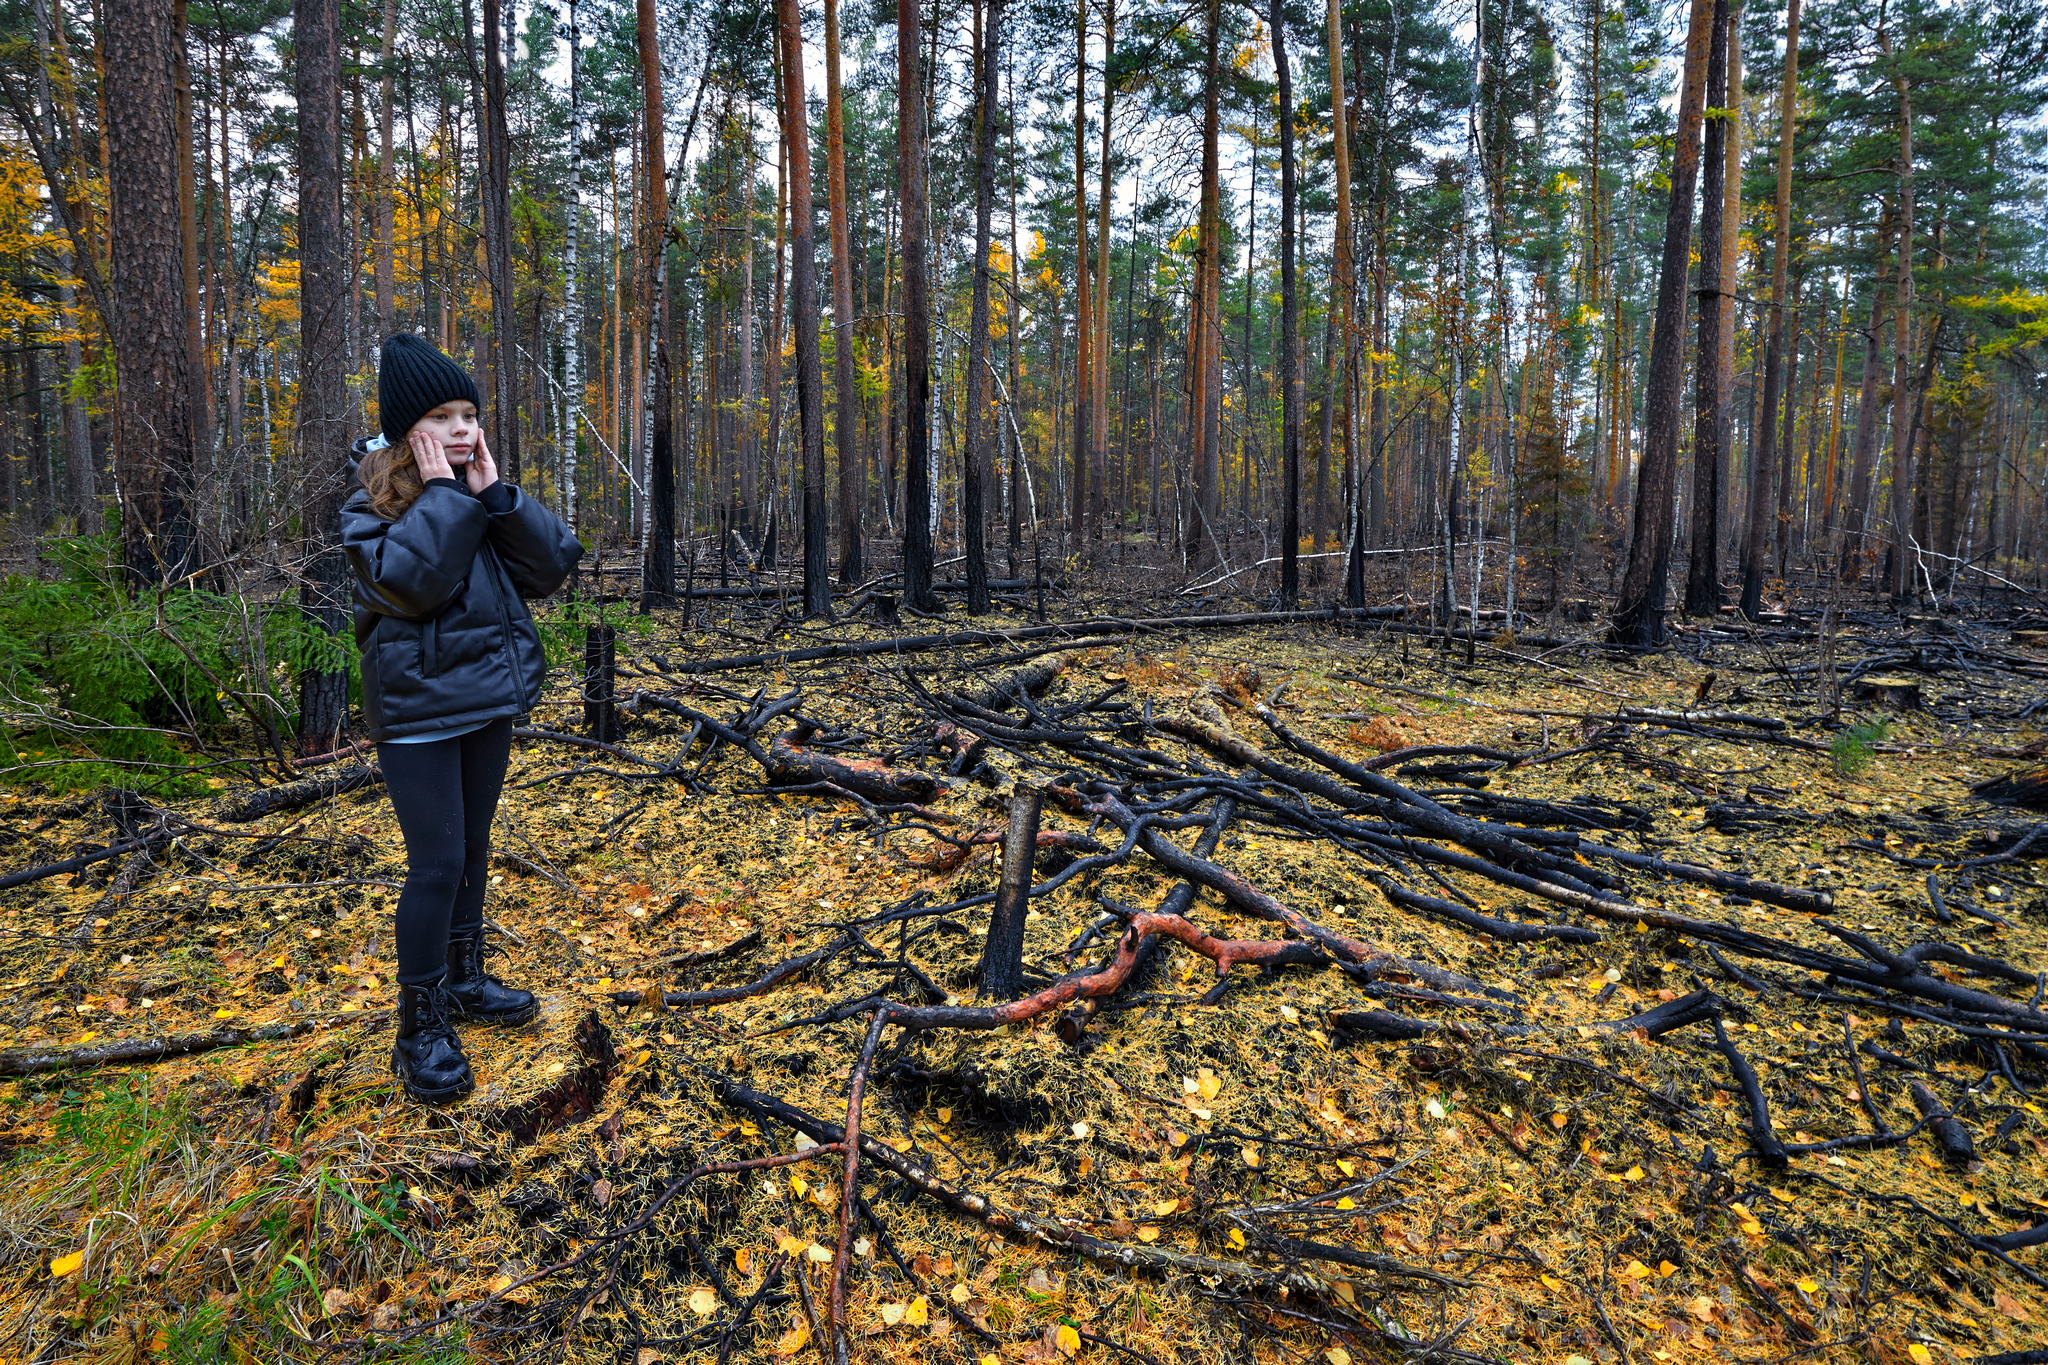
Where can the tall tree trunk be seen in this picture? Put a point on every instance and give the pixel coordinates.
(803, 288)
(1903, 407)
(1208, 493)
(1731, 257)
(188, 234)
(916, 450)
(1756, 541)
(1863, 445)
(1703, 569)
(572, 290)
(74, 422)
(1639, 618)
(1290, 331)
(146, 265)
(497, 192)
(658, 549)
(1788, 463)
(1098, 406)
(845, 394)
(1084, 317)
(749, 404)
(972, 520)
(387, 185)
(1341, 290)
(322, 406)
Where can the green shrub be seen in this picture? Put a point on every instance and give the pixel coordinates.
(100, 686)
(1851, 748)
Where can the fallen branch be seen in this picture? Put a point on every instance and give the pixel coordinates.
(29, 1061)
(1769, 1150)
(254, 805)
(1049, 1232)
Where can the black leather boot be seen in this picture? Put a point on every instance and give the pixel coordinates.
(427, 1057)
(479, 997)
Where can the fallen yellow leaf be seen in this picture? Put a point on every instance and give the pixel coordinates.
(892, 1314)
(1165, 1206)
(65, 1265)
(794, 1340)
(1809, 1286)
(1207, 1082)
(917, 1312)
(1068, 1339)
(1148, 1233)
(703, 1302)
(1237, 1239)
(1553, 1284)
(1920, 1354)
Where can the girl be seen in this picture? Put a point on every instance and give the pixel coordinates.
(443, 553)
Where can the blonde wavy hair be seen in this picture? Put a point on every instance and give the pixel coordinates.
(391, 476)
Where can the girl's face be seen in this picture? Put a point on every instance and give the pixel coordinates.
(454, 425)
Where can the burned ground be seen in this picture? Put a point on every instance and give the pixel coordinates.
(1460, 1137)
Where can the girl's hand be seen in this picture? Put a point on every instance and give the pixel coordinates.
(428, 454)
(482, 471)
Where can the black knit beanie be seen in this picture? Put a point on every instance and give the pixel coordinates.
(414, 378)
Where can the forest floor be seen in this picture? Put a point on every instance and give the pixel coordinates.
(1274, 1176)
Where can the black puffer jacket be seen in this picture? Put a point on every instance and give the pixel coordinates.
(446, 639)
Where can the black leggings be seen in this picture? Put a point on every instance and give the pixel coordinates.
(445, 793)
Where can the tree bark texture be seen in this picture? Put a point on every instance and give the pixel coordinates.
(973, 516)
(323, 406)
(803, 288)
(146, 267)
(1290, 331)
(497, 191)
(1756, 538)
(1639, 619)
(846, 393)
(1703, 566)
(917, 374)
(658, 550)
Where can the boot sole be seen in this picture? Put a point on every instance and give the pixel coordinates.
(501, 1020)
(423, 1094)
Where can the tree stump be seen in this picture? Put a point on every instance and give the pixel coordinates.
(600, 652)
(1895, 694)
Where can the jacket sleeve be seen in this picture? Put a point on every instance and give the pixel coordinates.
(413, 567)
(537, 548)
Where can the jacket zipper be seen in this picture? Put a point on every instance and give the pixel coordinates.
(505, 623)
(430, 663)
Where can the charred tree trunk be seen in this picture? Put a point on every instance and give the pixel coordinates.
(1703, 569)
(658, 549)
(973, 529)
(1756, 540)
(1002, 960)
(1290, 332)
(1639, 619)
(846, 394)
(916, 449)
(803, 288)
